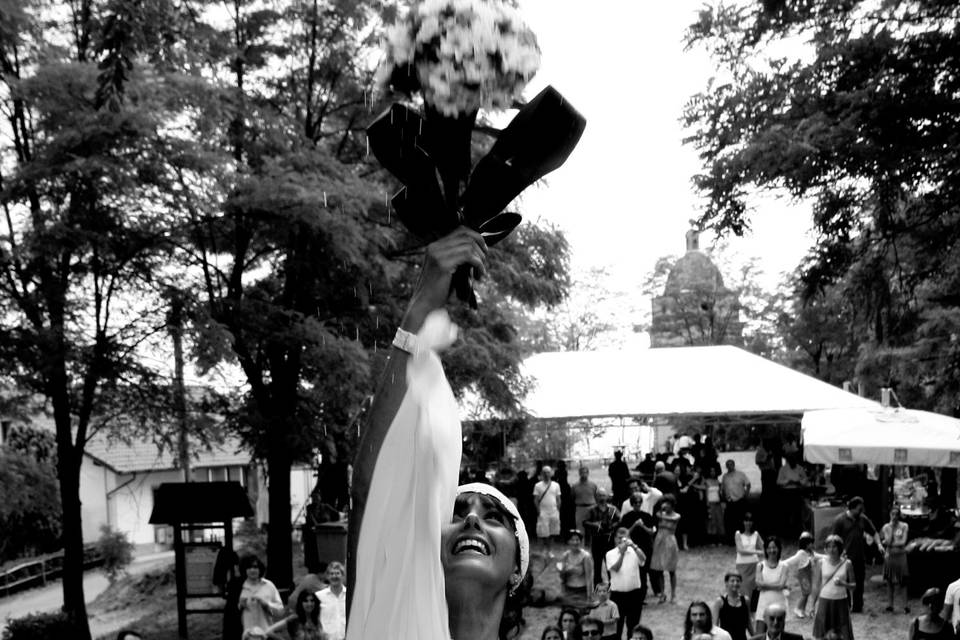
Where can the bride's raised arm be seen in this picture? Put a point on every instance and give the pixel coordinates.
(462, 246)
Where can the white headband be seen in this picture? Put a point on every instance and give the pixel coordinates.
(521, 531)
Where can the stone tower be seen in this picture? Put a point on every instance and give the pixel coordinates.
(696, 308)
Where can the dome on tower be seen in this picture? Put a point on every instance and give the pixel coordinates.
(695, 307)
(694, 271)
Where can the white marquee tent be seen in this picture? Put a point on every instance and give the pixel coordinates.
(881, 435)
(705, 381)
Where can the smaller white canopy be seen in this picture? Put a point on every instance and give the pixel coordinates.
(881, 436)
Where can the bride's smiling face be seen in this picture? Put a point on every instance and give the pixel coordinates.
(479, 544)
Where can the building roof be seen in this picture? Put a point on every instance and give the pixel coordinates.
(180, 502)
(143, 455)
(715, 380)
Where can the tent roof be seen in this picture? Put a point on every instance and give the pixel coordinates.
(881, 436)
(673, 381)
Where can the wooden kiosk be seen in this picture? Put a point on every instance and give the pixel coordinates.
(197, 510)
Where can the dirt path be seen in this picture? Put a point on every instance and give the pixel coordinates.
(50, 597)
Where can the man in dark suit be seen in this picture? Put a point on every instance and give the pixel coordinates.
(775, 617)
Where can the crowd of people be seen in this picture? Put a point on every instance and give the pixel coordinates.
(315, 610)
(627, 542)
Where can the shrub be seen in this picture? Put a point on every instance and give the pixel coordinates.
(39, 626)
(29, 506)
(116, 550)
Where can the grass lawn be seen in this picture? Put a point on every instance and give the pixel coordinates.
(700, 577)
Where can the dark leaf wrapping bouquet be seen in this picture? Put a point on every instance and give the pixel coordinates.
(460, 56)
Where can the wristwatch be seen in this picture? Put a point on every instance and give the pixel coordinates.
(405, 341)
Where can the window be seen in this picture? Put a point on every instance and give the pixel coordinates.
(4, 430)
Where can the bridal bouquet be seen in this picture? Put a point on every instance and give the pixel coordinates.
(461, 55)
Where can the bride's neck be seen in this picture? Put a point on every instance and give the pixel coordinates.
(473, 616)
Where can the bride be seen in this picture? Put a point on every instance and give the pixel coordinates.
(429, 560)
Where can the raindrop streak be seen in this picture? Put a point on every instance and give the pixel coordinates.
(324, 199)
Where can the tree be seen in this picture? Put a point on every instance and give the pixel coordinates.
(87, 226)
(302, 273)
(863, 124)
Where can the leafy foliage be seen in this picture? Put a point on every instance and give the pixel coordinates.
(29, 502)
(39, 626)
(862, 123)
(116, 550)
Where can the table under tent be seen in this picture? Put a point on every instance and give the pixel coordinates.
(895, 438)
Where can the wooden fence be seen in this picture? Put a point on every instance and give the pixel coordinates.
(39, 571)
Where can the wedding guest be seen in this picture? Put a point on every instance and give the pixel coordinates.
(576, 571)
(734, 491)
(607, 612)
(802, 564)
(893, 537)
(569, 623)
(600, 524)
(929, 625)
(853, 527)
(633, 486)
(546, 495)
(791, 482)
(690, 505)
(775, 619)
(715, 533)
(666, 552)
(567, 508)
(832, 582)
(699, 623)
(951, 604)
(584, 493)
(259, 601)
(643, 528)
(333, 603)
(591, 628)
(623, 564)
(732, 610)
(771, 581)
(641, 632)
(551, 632)
(619, 474)
(749, 546)
(305, 623)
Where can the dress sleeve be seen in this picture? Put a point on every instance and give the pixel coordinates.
(399, 584)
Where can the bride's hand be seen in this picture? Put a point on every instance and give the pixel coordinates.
(462, 246)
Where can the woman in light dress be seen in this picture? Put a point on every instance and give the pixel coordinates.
(893, 538)
(771, 582)
(450, 562)
(666, 551)
(832, 579)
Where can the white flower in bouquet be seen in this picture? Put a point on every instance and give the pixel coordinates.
(461, 55)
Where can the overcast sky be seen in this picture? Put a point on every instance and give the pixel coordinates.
(624, 197)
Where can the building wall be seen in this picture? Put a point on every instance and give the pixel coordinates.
(95, 481)
(132, 503)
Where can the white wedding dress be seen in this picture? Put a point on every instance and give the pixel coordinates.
(398, 589)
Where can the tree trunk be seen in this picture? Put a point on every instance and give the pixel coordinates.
(279, 531)
(74, 603)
